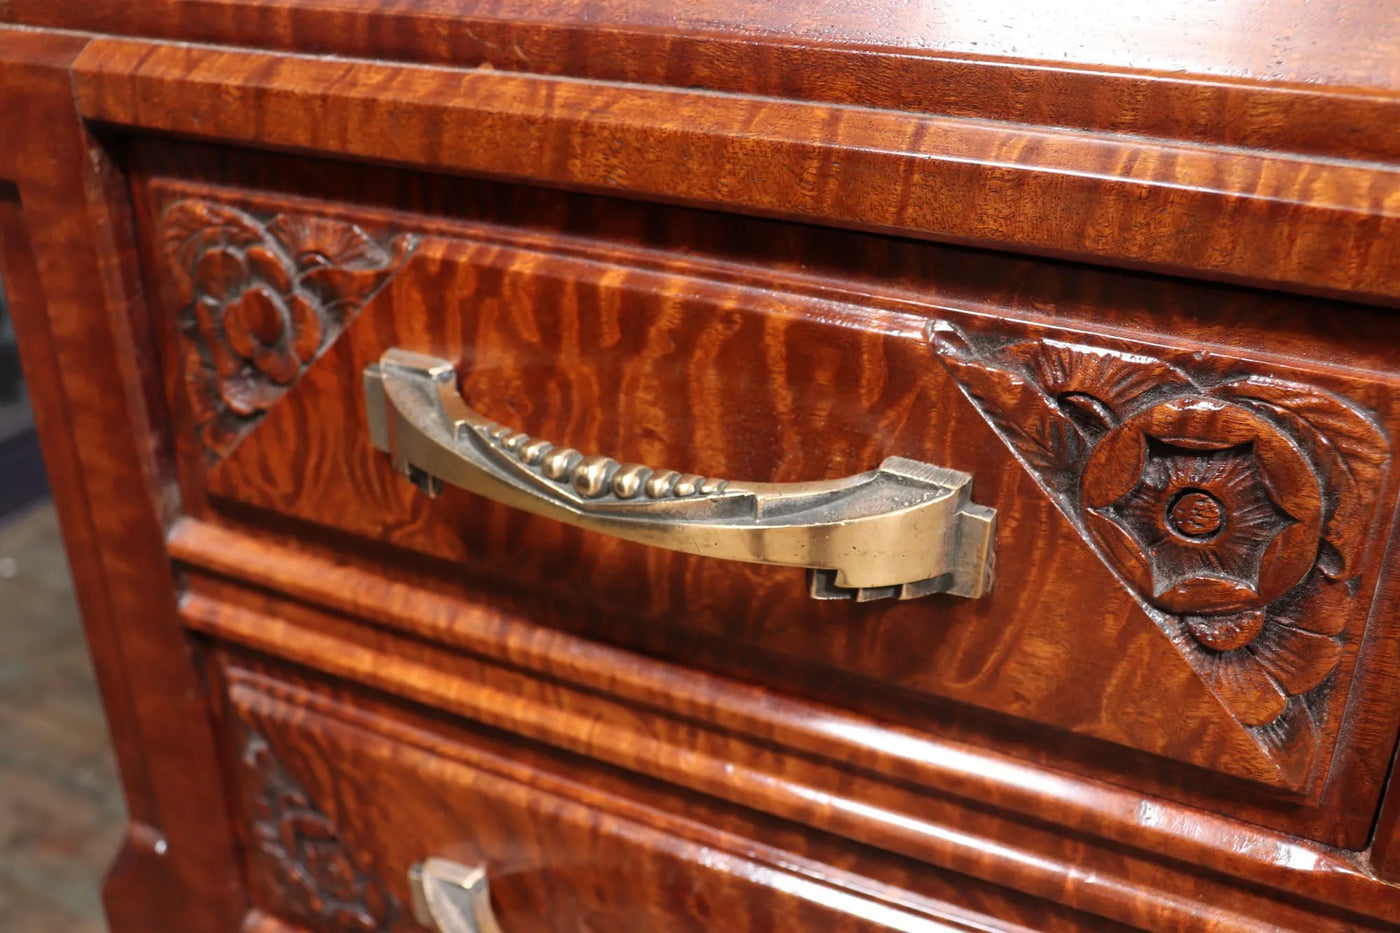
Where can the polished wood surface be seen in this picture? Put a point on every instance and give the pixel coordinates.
(73, 298)
(1286, 42)
(572, 846)
(804, 762)
(1278, 75)
(1131, 270)
(1255, 216)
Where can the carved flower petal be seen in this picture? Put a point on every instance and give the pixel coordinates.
(247, 395)
(316, 241)
(1226, 632)
(1251, 694)
(1351, 449)
(277, 363)
(271, 269)
(306, 328)
(264, 315)
(221, 274)
(200, 386)
(1323, 608)
(239, 330)
(1299, 660)
(342, 291)
(209, 315)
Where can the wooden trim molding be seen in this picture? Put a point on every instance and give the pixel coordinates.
(995, 801)
(794, 54)
(78, 311)
(1288, 221)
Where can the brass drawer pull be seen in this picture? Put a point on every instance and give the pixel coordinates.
(452, 898)
(905, 530)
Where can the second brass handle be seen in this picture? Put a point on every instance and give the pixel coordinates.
(904, 530)
(452, 898)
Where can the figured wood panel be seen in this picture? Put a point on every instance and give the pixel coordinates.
(1115, 853)
(337, 801)
(553, 329)
(624, 386)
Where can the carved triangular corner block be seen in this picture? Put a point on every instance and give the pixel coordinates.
(1234, 509)
(262, 299)
(315, 873)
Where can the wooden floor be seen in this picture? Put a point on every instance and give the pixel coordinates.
(61, 812)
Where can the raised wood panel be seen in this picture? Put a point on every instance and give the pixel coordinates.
(582, 342)
(974, 811)
(1150, 884)
(627, 387)
(338, 800)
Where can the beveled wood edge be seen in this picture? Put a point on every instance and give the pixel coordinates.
(1385, 849)
(1217, 109)
(53, 54)
(300, 709)
(1156, 829)
(1231, 214)
(76, 330)
(1005, 858)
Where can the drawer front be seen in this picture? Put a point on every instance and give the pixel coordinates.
(1193, 485)
(341, 800)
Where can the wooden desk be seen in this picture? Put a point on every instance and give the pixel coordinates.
(1125, 276)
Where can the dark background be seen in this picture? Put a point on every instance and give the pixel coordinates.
(21, 468)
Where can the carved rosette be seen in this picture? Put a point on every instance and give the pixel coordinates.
(261, 302)
(1234, 510)
(315, 874)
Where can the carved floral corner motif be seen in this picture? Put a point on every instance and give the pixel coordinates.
(1236, 511)
(262, 300)
(316, 875)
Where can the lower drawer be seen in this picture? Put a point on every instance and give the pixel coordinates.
(341, 796)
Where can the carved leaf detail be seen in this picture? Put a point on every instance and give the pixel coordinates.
(1350, 449)
(1299, 660)
(193, 227)
(1246, 688)
(1030, 421)
(1292, 740)
(315, 873)
(1320, 608)
(1117, 380)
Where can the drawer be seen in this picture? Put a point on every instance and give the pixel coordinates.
(1193, 484)
(341, 796)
